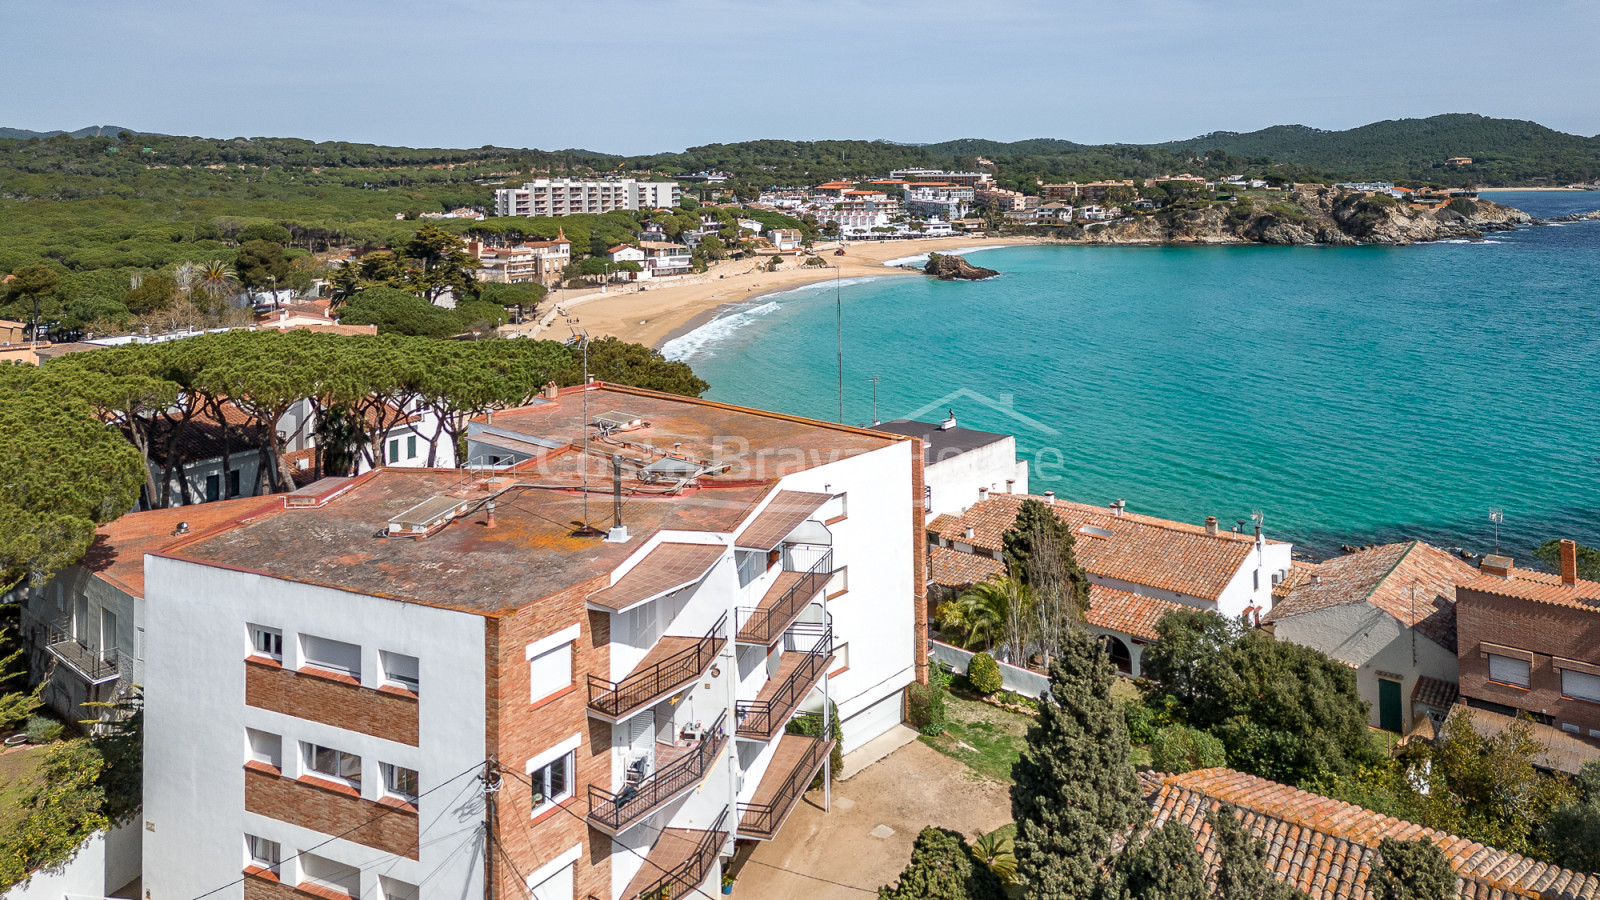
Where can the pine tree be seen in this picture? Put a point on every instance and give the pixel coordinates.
(1411, 870)
(942, 868)
(1163, 865)
(1039, 552)
(1242, 871)
(1074, 786)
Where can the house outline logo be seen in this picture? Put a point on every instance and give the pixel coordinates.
(1004, 404)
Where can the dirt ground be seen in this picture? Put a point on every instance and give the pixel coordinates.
(914, 787)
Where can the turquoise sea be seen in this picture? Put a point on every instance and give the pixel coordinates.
(1350, 394)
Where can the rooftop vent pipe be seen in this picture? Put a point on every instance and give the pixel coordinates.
(1211, 524)
(619, 532)
(1050, 497)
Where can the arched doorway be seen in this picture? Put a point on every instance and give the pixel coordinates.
(1119, 653)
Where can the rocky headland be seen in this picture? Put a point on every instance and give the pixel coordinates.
(1310, 215)
(947, 267)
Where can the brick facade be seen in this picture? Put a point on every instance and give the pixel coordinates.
(266, 887)
(919, 562)
(391, 715)
(1544, 631)
(519, 730)
(330, 810)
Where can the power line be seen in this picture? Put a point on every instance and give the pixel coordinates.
(386, 811)
(757, 862)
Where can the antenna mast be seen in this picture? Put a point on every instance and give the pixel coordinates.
(874, 379)
(838, 328)
(1497, 516)
(581, 337)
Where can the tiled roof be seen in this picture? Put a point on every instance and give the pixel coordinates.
(1299, 573)
(1558, 750)
(1325, 847)
(1126, 613)
(1435, 692)
(781, 517)
(1541, 587)
(666, 568)
(953, 568)
(940, 523)
(117, 552)
(1158, 553)
(1413, 581)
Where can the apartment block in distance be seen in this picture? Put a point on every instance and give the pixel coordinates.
(567, 671)
(571, 196)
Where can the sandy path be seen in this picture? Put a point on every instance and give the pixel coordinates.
(664, 310)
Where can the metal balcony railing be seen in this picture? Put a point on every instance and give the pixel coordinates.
(762, 718)
(618, 811)
(685, 878)
(758, 625)
(94, 666)
(614, 698)
(764, 818)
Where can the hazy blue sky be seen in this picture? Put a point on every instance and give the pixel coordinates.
(630, 77)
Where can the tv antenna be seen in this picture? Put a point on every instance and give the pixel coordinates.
(1497, 516)
(874, 379)
(580, 339)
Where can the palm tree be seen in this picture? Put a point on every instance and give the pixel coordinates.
(990, 613)
(216, 279)
(995, 851)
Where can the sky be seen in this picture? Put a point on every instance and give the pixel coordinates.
(633, 77)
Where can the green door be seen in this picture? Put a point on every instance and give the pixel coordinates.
(1389, 705)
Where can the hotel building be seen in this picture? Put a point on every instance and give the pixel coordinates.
(570, 196)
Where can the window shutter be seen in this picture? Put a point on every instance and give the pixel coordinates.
(1580, 685)
(336, 656)
(1506, 670)
(556, 887)
(550, 672)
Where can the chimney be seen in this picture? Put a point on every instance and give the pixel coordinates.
(983, 494)
(969, 533)
(1050, 498)
(1494, 564)
(1569, 563)
(1117, 506)
(283, 315)
(1211, 524)
(1315, 578)
(1009, 483)
(550, 390)
(489, 508)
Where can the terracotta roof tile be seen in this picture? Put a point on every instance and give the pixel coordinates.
(1159, 553)
(1126, 613)
(1413, 581)
(1326, 847)
(1433, 692)
(117, 552)
(781, 517)
(955, 569)
(1541, 587)
(666, 568)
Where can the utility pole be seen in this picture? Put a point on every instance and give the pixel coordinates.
(491, 825)
(874, 379)
(838, 328)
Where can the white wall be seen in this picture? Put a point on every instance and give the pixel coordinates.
(106, 861)
(1373, 641)
(953, 483)
(195, 721)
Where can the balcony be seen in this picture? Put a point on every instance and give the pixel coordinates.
(795, 763)
(678, 770)
(789, 594)
(672, 663)
(95, 667)
(679, 863)
(764, 717)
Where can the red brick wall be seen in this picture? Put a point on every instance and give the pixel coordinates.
(919, 557)
(391, 715)
(520, 730)
(257, 887)
(1545, 630)
(331, 811)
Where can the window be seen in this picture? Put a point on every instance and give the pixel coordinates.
(395, 889)
(1258, 579)
(841, 656)
(394, 450)
(335, 656)
(262, 853)
(326, 873)
(557, 887)
(834, 509)
(1580, 685)
(401, 782)
(411, 447)
(266, 642)
(138, 643)
(400, 669)
(551, 775)
(213, 488)
(233, 483)
(335, 764)
(752, 565)
(550, 664)
(1507, 670)
(840, 582)
(265, 747)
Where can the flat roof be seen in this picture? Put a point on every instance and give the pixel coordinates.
(940, 444)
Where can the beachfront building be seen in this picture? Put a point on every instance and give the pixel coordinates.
(666, 258)
(962, 466)
(1139, 567)
(938, 200)
(570, 196)
(858, 213)
(353, 690)
(972, 180)
(786, 239)
(1003, 201)
(1388, 612)
(1072, 190)
(1373, 187)
(539, 262)
(1053, 213)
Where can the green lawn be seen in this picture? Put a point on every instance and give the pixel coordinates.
(984, 737)
(18, 777)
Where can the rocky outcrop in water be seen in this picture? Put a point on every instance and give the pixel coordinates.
(953, 268)
(1309, 215)
(1578, 217)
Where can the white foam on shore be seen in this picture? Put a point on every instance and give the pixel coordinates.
(921, 259)
(699, 340)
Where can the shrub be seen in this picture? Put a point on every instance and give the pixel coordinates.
(1178, 748)
(1143, 721)
(984, 673)
(925, 702)
(42, 730)
(1463, 206)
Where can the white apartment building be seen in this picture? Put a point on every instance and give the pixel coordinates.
(570, 196)
(582, 653)
(962, 466)
(962, 179)
(936, 200)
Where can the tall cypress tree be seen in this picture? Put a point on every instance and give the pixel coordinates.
(1074, 787)
(1411, 870)
(1242, 872)
(1163, 865)
(1039, 552)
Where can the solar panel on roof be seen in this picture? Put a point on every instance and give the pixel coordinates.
(617, 419)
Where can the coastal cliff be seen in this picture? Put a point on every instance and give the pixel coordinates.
(946, 267)
(1309, 216)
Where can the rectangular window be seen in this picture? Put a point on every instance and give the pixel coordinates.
(400, 782)
(395, 889)
(266, 642)
(325, 873)
(411, 447)
(840, 582)
(1507, 670)
(552, 782)
(394, 450)
(335, 656)
(556, 887)
(401, 670)
(138, 643)
(233, 483)
(835, 509)
(213, 488)
(841, 656)
(335, 764)
(549, 672)
(1580, 686)
(265, 747)
(752, 564)
(262, 853)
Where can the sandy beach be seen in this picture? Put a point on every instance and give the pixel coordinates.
(663, 311)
